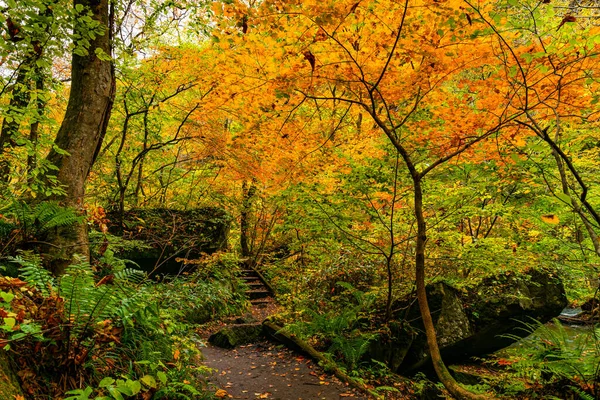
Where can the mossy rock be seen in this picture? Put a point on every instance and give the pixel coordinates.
(483, 318)
(235, 335)
(171, 235)
(9, 384)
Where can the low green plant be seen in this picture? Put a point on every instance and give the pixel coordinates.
(98, 330)
(341, 332)
(551, 354)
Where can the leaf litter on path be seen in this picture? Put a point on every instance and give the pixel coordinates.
(267, 371)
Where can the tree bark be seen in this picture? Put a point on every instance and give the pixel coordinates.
(82, 131)
(438, 364)
(248, 191)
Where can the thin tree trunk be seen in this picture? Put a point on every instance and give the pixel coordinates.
(248, 191)
(35, 126)
(438, 364)
(11, 123)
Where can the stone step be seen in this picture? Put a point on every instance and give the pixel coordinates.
(255, 285)
(257, 294)
(249, 278)
(248, 272)
(263, 300)
(261, 303)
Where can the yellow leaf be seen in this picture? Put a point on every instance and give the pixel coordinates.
(176, 355)
(550, 219)
(221, 393)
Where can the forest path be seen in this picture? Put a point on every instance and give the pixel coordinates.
(267, 370)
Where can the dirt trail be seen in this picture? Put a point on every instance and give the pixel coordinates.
(268, 371)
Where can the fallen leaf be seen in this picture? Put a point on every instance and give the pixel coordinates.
(221, 393)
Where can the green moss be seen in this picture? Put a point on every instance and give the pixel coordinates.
(235, 335)
(9, 385)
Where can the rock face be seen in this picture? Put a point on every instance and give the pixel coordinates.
(235, 335)
(471, 322)
(171, 234)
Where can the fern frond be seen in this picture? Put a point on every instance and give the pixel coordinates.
(33, 273)
(131, 275)
(40, 218)
(50, 215)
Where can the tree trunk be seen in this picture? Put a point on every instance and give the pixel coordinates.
(82, 131)
(438, 364)
(17, 108)
(247, 195)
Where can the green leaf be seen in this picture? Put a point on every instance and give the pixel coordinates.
(564, 197)
(80, 394)
(101, 54)
(79, 7)
(149, 381)
(115, 393)
(18, 336)
(162, 377)
(135, 386)
(7, 297)
(9, 322)
(106, 382)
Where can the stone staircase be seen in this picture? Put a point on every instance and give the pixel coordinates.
(259, 294)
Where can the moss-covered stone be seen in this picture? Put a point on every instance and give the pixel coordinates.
(235, 335)
(474, 321)
(9, 384)
(171, 235)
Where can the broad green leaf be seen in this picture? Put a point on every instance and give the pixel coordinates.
(162, 377)
(7, 297)
(149, 381)
(115, 393)
(564, 197)
(106, 382)
(9, 322)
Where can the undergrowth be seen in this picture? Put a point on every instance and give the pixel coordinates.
(554, 357)
(109, 336)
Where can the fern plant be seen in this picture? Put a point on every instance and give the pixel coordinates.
(32, 272)
(552, 353)
(341, 330)
(24, 223)
(41, 217)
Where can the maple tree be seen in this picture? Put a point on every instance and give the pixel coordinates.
(431, 77)
(423, 130)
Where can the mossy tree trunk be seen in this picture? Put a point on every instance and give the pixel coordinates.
(82, 131)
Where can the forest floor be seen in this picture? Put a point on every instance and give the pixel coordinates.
(267, 370)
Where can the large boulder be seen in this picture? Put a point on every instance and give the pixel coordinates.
(171, 235)
(473, 321)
